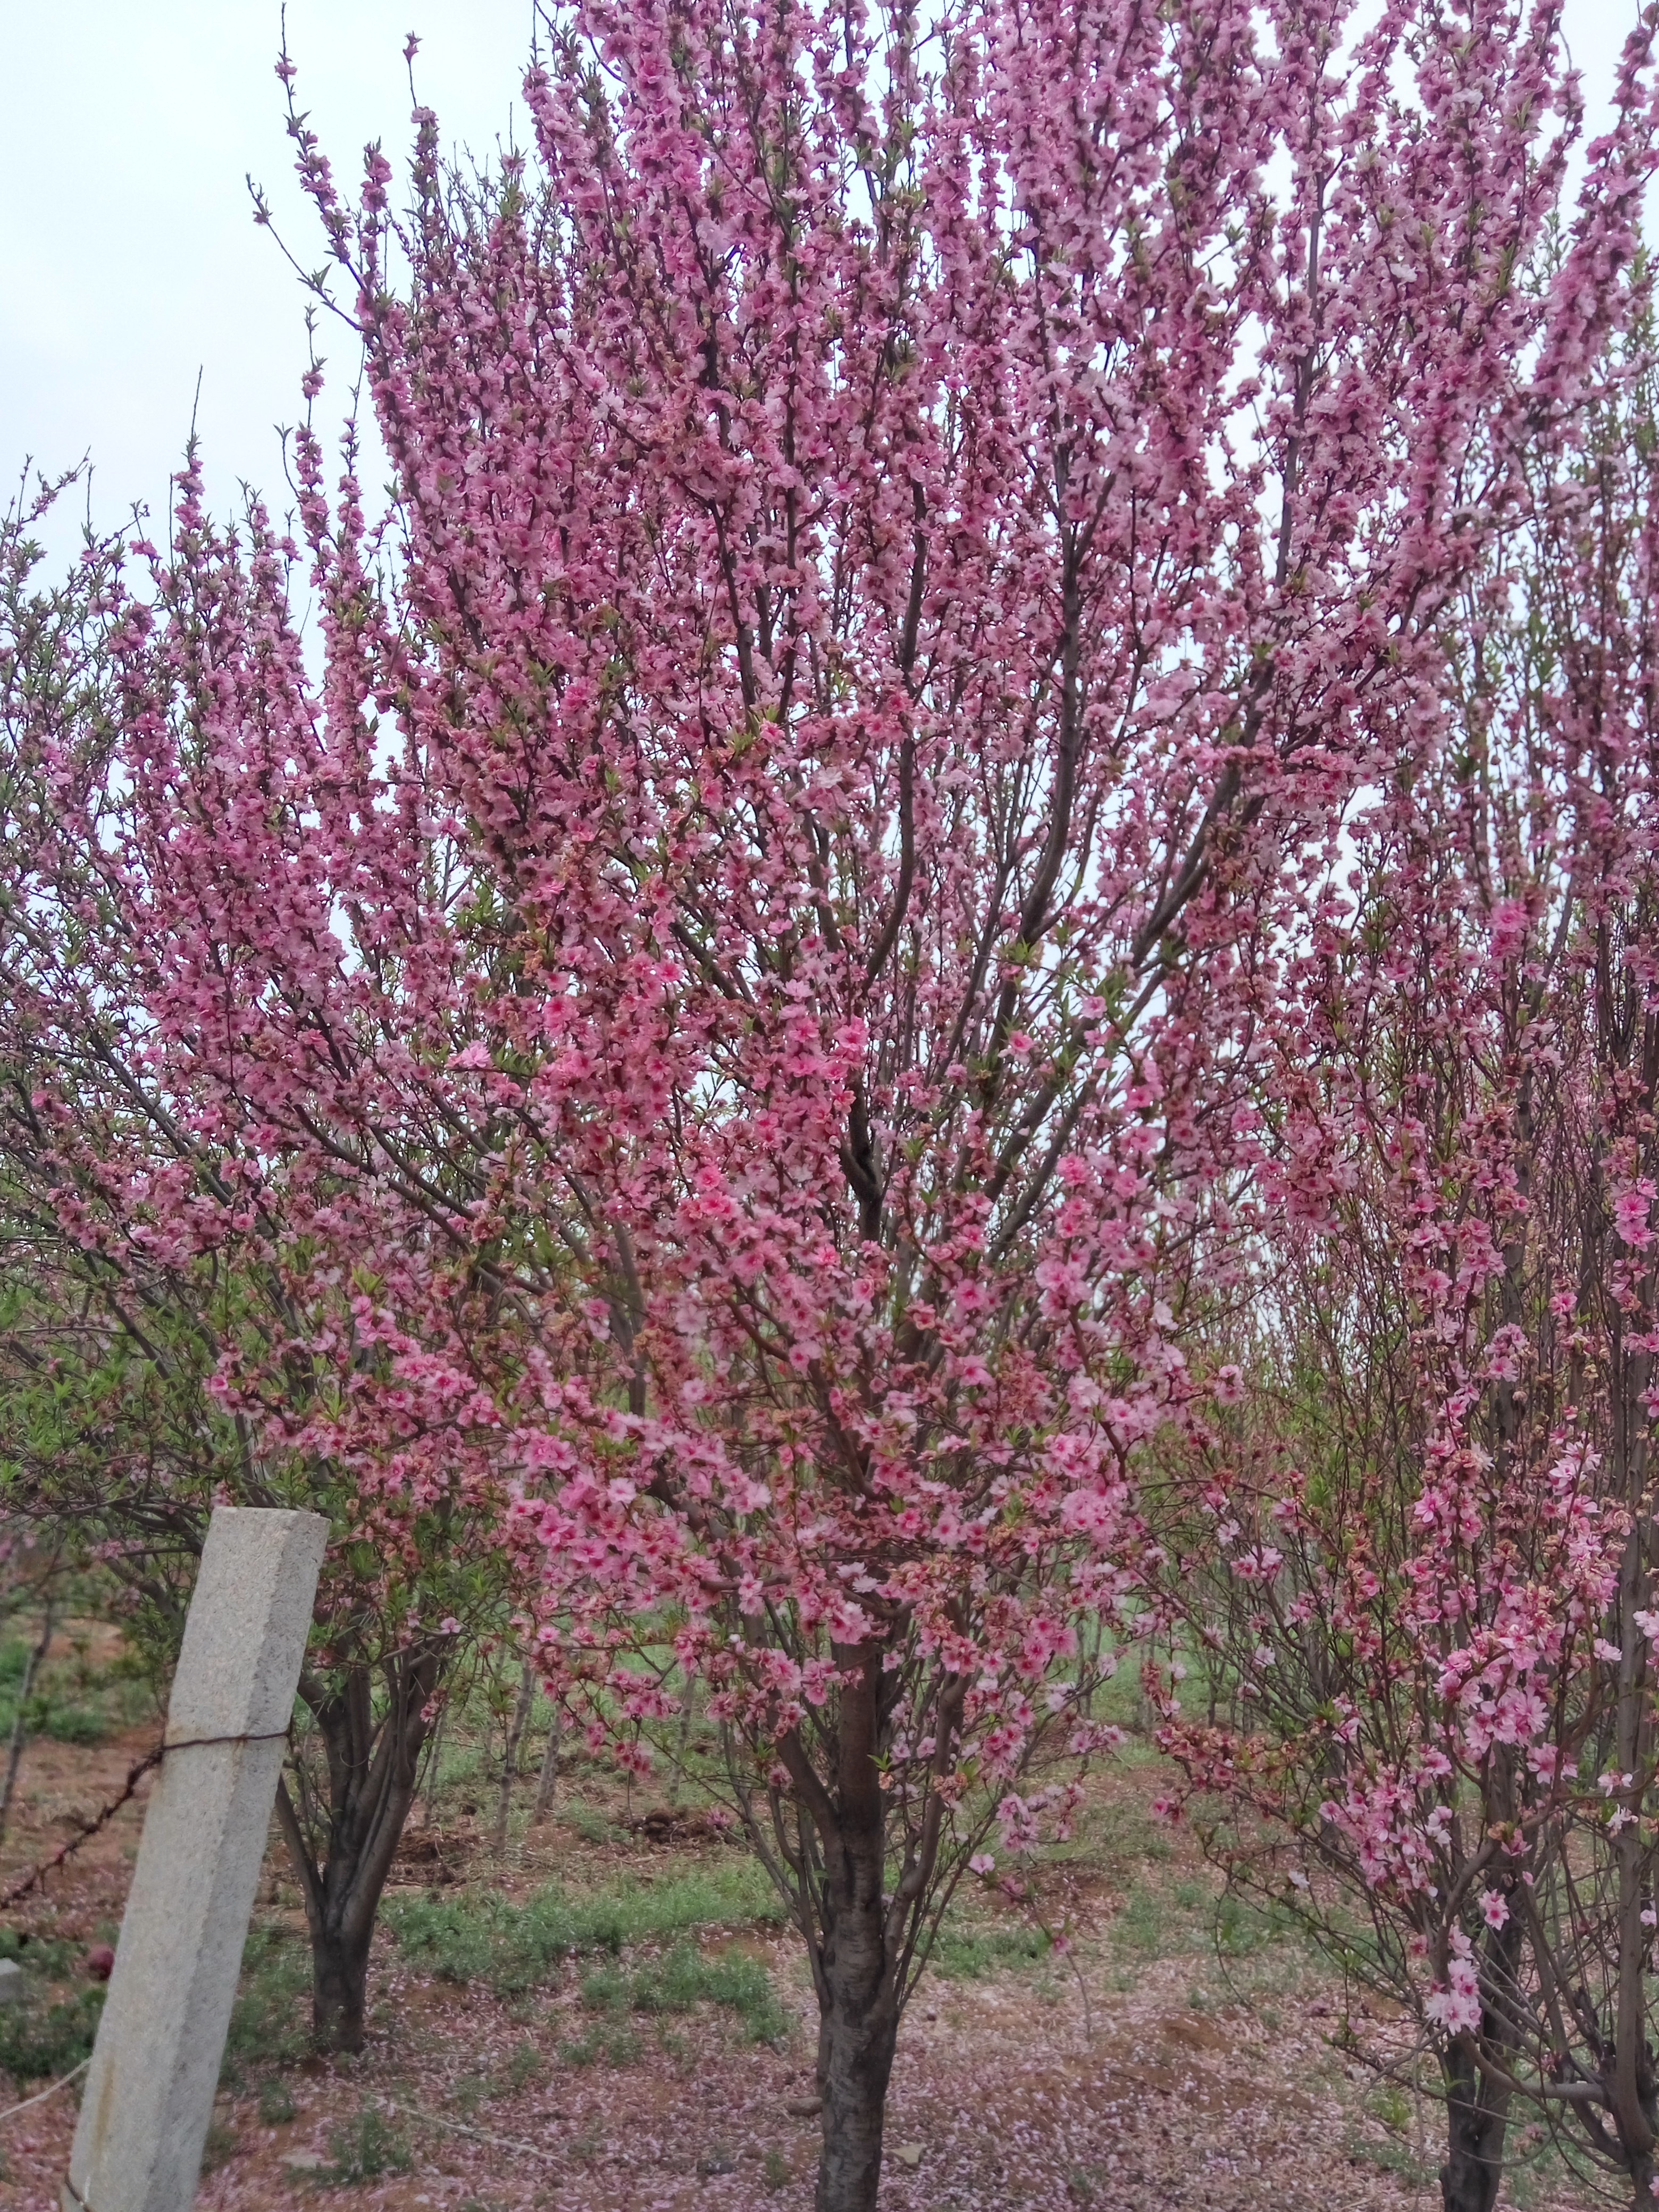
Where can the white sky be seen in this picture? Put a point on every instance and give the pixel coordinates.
(128, 261)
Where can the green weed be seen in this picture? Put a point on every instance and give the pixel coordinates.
(619, 2045)
(1142, 1925)
(1392, 2108)
(525, 2066)
(73, 1701)
(48, 1956)
(276, 2102)
(1242, 1928)
(368, 2147)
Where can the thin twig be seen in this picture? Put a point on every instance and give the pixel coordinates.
(478, 2135)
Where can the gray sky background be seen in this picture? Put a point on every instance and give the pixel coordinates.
(129, 260)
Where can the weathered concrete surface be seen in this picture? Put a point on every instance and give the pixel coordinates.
(149, 2096)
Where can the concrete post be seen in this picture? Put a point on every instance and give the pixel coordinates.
(149, 2096)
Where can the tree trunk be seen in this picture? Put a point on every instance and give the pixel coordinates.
(547, 1782)
(339, 1989)
(510, 1754)
(858, 2032)
(854, 1971)
(32, 1667)
(372, 1763)
(1477, 2116)
(1477, 2107)
(860, 1935)
(687, 1713)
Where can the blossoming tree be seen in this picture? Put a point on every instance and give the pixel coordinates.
(905, 531)
(226, 1286)
(913, 524)
(1432, 1488)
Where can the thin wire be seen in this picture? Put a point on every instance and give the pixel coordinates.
(42, 2095)
(88, 1829)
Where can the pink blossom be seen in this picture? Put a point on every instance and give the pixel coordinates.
(1631, 1207)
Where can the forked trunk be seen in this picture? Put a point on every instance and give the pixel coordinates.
(1477, 2116)
(1477, 2107)
(373, 1761)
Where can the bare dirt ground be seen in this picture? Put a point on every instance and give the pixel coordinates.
(1192, 2081)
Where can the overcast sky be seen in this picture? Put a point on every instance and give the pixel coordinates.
(128, 256)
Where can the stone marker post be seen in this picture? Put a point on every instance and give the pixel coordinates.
(150, 2092)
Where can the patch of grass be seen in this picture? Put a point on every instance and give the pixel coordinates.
(590, 1824)
(75, 1700)
(1243, 1927)
(269, 2023)
(48, 1956)
(968, 1950)
(40, 2040)
(1143, 1924)
(368, 2147)
(76, 1724)
(1123, 1837)
(684, 1978)
(605, 1989)
(1538, 2169)
(513, 1947)
(775, 2171)
(619, 2045)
